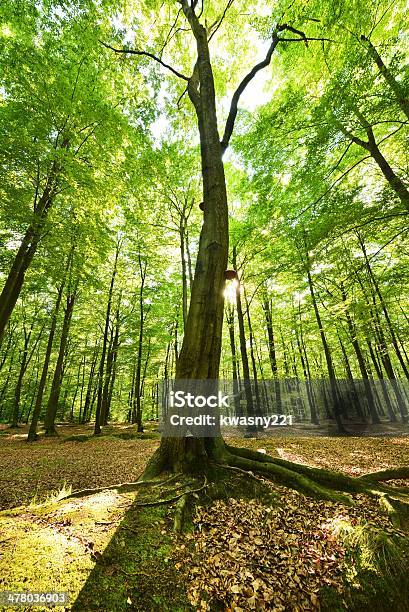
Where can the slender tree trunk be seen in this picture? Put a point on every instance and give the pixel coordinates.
(107, 381)
(189, 260)
(33, 395)
(115, 349)
(388, 76)
(351, 387)
(360, 359)
(97, 428)
(25, 360)
(84, 362)
(175, 341)
(327, 353)
(91, 377)
(385, 393)
(253, 361)
(370, 145)
(138, 371)
(243, 345)
(22, 370)
(184, 271)
(384, 308)
(230, 323)
(310, 396)
(266, 303)
(24, 256)
(52, 406)
(74, 397)
(7, 347)
(32, 433)
(6, 382)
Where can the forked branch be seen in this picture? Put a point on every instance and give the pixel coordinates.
(231, 118)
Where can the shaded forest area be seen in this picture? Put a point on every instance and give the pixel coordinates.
(196, 191)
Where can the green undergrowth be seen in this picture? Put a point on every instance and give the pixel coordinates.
(135, 571)
(112, 555)
(107, 553)
(377, 571)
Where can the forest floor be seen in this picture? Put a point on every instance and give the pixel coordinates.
(283, 552)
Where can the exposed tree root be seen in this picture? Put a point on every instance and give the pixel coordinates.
(159, 502)
(180, 510)
(314, 482)
(383, 475)
(124, 487)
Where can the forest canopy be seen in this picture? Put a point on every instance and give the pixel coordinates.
(204, 201)
(101, 191)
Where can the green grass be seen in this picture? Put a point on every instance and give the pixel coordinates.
(377, 571)
(104, 551)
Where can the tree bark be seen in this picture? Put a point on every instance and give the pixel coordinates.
(32, 433)
(387, 75)
(52, 406)
(97, 428)
(24, 256)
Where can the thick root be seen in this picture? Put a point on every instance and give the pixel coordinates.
(289, 478)
(383, 475)
(123, 487)
(315, 482)
(371, 484)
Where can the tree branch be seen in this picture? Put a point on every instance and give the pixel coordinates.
(228, 130)
(147, 54)
(219, 22)
(250, 76)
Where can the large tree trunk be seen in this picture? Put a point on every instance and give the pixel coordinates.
(199, 357)
(24, 256)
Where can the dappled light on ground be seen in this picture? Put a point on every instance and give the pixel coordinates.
(111, 553)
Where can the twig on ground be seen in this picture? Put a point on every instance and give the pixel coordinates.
(175, 498)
